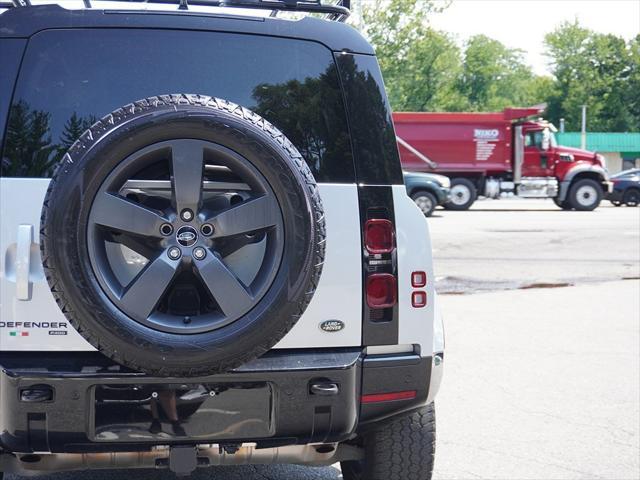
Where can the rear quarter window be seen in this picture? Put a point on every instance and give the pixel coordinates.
(71, 78)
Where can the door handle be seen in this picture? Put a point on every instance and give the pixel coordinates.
(324, 389)
(23, 262)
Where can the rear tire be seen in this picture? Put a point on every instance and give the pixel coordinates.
(585, 195)
(631, 197)
(400, 449)
(463, 194)
(426, 201)
(563, 205)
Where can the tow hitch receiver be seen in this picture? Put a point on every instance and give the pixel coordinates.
(183, 460)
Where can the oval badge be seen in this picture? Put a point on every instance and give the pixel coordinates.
(332, 325)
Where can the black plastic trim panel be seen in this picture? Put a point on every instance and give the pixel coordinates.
(65, 421)
(379, 326)
(369, 115)
(392, 374)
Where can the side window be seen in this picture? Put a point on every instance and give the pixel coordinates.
(70, 78)
(374, 139)
(11, 54)
(533, 139)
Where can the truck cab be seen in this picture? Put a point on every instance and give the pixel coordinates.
(549, 169)
(544, 157)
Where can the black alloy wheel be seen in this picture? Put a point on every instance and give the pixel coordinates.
(181, 231)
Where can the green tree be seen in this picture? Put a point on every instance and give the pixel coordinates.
(633, 86)
(419, 64)
(28, 149)
(597, 70)
(73, 128)
(425, 70)
(494, 76)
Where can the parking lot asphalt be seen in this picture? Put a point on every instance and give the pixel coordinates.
(542, 377)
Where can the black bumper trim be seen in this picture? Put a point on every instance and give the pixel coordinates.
(66, 423)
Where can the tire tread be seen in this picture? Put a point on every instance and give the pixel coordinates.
(97, 131)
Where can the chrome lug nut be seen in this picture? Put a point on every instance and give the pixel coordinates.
(166, 229)
(186, 215)
(174, 253)
(199, 253)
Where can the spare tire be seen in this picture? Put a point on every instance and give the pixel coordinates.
(182, 235)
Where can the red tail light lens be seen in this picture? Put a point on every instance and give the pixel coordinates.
(381, 290)
(378, 236)
(418, 279)
(419, 299)
(389, 397)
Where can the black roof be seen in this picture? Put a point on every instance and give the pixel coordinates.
(22, 22)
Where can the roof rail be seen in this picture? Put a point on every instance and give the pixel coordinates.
(338, 11)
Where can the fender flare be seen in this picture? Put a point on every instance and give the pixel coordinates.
(575, 172)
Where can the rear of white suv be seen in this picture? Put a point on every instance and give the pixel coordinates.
(208, 253)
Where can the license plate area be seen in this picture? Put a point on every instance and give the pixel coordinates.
(159, 413)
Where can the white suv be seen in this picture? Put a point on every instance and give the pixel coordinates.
(208, 255)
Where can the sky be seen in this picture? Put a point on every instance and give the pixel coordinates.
(523, 23)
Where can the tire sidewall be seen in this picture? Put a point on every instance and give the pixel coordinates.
(80, 176)
(630, 195)
(473, 194)
(423, 193)
(573, 194)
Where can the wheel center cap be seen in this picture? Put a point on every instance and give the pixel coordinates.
(186, 236)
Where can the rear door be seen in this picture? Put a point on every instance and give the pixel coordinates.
(69, 78)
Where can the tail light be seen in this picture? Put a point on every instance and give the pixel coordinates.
(419, 299)
(381, 290)
(418, 279)
(389, 397)
(378, 236)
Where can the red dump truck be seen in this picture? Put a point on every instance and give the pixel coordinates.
(488, 154)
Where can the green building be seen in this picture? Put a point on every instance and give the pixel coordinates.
(622, 150)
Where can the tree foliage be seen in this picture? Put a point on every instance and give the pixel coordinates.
(597, 70)
(426, 69)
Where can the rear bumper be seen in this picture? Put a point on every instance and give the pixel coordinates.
(615, 194)
(83, 402)
(444, 196)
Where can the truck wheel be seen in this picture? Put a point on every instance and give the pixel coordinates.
(585, 194)
(182, 235)
(563, 205)
(463, 194)
(426, 201)
(400, 449)
(631, 197)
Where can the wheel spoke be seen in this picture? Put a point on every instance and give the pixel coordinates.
(255, 214)
(143, 294)
(123, 215)
(187, 160)
(230, 293)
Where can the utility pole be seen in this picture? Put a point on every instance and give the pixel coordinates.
(583, 132)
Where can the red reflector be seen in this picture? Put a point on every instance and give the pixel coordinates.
(389, 397)
(378, 236)
(418, 279)
(419, 299)
(381, 290)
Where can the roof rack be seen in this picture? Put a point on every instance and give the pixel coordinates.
(338, 11)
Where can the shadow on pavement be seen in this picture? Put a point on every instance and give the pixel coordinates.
(275, 472)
